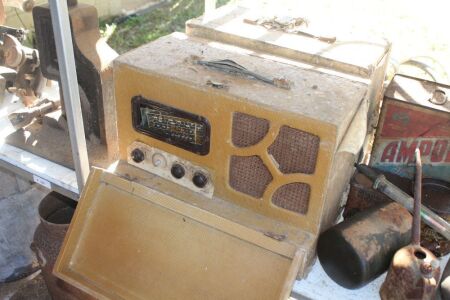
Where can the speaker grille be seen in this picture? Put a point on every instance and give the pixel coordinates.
(293, 196)
(248, 130)
(249, 175)
(295, 151)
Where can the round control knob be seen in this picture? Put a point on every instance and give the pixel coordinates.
(200, 180)
(177, 171)
(137, 155)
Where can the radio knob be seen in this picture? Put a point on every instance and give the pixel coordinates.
(200, 180)
(137, 155)
(177, 171)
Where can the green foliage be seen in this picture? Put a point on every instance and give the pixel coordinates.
(143, 28)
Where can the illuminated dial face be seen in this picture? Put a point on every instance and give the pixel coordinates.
(173, 126)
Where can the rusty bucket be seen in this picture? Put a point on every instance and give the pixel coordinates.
(55, 212)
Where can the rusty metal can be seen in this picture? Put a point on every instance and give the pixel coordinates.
(55, 212)
(358, 250)
(414, 271)
(414, 274)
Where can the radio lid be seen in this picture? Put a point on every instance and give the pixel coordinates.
(129, 241)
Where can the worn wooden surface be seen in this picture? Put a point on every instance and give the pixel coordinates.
(313, 94)
(230, 24)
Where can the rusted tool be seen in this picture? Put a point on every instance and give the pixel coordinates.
(358, 250)
(414, 271)
(24, 117)
(383, 185)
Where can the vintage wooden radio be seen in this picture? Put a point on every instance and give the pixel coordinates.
(232, 163)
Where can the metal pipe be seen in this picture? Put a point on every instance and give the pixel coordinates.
(417, 200)
(383, 185)
(69, 84)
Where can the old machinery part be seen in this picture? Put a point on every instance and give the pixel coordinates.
(19, 33)
(445, 283)
(13, 52)
(22, 118)
(358, 250)
(414, 271)
(29, 81)
(93, 59)
(9, 74)
(7, 79)
(383, 185)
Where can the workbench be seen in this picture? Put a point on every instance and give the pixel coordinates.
(26, 164)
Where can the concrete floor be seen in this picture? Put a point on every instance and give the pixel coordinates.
(19, 271)
(32, 287)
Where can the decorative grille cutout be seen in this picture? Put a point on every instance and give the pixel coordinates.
(295, 151)
(249, 175)
(293, 196)
(248, 130)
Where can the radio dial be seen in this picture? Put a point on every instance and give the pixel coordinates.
(177, 171)
(200, 180)
(137, 155)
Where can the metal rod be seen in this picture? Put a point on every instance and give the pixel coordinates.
(69, 85)
(417, 200)
(383, 185)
